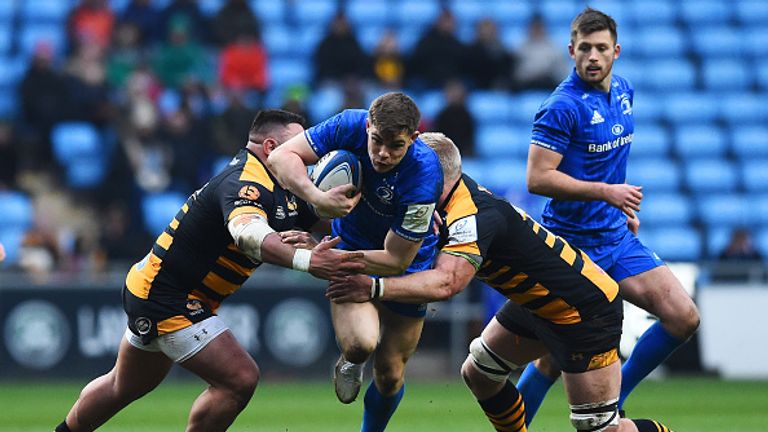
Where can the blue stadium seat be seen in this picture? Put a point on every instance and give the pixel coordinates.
(286, 71)
(717, 239)
(430, 103)
(754, 40)
(754, 174)
(666, 208)
(728, 210)
(671, 75)
(696, 141)
(689, 107)
(362, 13)
(726, 74)
(512, 35)
(650, 139)
(761, 242)
(490, 106)
(325, 102)
(632, 69)
(408, 36)
(750, 141)
(278, 40)
(6, 37)
(75, 139)
(475, 167)
(503, 140)
(309, 36)
(718, 41)
(762, 74)
(33, 34)
(314, 12)
(16, 210)
(557, 13)
(646, 106)
(760, 206)
(711, 175)
(744, 109)
(209, 8)
(680, 243)
(7, 10)
(657, 174)
(41, 11)
(470, 11)
(617, 10)
(11, 238)
(525, 105)
(670, 37)
(11, 72)
(420, 13)
(752, 11)
(504, 174)
(653, 12)
(510, 12)
(369, 36)
(159, 209)
(269, 11)
(701, 12)
(118, 6)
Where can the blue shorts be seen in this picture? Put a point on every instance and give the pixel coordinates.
(624, 258)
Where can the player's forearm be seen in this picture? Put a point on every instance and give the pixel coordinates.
(384, 263)
(561, 186)
(422, 287)
(274, 251)
(292, 174)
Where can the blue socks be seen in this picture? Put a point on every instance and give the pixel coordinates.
(533, 386)
(655, 345)
(378, 409)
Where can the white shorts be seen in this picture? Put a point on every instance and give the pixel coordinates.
(181, 345)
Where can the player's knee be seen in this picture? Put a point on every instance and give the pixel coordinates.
(596, 417)
(243, 384)
(358, 351)
(389, 380)
(484, 362)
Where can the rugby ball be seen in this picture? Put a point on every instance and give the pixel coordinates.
(336, 168)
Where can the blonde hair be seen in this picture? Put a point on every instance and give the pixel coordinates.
(447, 152)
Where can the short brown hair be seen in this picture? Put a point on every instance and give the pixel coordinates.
(590, 21)
(394, 113)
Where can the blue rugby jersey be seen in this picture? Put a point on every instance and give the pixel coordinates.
(402, 199)
(593, 131)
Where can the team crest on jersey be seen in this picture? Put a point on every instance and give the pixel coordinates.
(626, 105)
(385, 194)
(463, 231)
(143, 325)
(249, 192)
(195, 307)
(617, 129)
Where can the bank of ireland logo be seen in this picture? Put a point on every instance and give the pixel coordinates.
(37, 334)
(617, 129)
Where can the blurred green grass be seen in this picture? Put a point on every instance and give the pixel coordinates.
(684, 404)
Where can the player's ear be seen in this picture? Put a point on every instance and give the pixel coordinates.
(268, 145)
(415, 135)
(571, 50)
(616, 51)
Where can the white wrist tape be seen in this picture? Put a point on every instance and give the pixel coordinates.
(249, 236)
(302, 259)
(377, 288)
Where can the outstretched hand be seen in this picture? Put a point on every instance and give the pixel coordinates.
(331, 264)
(350, 289)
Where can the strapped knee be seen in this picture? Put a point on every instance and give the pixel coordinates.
(595, 417)
(489, 363)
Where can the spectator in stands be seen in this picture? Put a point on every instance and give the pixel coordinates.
(87, 91)
(438, 55)
(388, 62)
(338, 55)
(740, 248)
(243, 64)
(234, 19)
(227, 125)
(186, 137)
(455, 120)
(143, 15)
(43, 103)
(488, 63)
(189, 12)
(120, 240)
(540, 64)
(180, 58)
(125, 55)
(295, 100)
(9, 157)
(91, 21)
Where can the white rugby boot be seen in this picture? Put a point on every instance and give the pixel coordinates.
(347, 378)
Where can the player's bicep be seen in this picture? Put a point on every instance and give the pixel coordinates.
(298, 146)
(400, 248)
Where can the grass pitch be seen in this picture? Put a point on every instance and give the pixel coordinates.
(695, 405)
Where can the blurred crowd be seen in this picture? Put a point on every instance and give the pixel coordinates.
(171, 91)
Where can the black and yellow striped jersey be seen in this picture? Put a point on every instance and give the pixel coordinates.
(194, 264)
(519, 258)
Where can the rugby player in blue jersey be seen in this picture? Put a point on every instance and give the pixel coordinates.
(578, 158)
(392, 223)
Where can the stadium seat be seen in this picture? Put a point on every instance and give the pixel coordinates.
(16, 210)
(408, 37)
(324, 102)
(430, 103)
(118, 6)
(646, 106)
(6, 37)
(557, 13)
(419, 13)
(726, 74)
(503, 140)
(523, 106)
(744, 109)
(74, 139)
(504, 174)
(671, 75)
(11, 72)
(761, 242)
(632, 69)
(670, 37)
(653, 12)
(750, 142)
(370, 35)
(697, 141)
(703, 12)
(490, 106)
(650, 139)
(11, 238)
(510, 12)
(718, 41)
(45, 11)
(33, 34)
(754, 40)
(689, 107)
(717, 239)
(760, 208)
(269, 11)
(656, 174)
(754, 174)
(761, 74)
(728, 210)
(288, 71)
(314, 12)
(363, 13)
(7, 10)
(679, 243)
(752, 11)
(666, 208)
(476, 168)
(512, 35)
(618, 11)
(159, 209)
(278, 40)
(710, 175)
(469, 11)
(209, 8)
